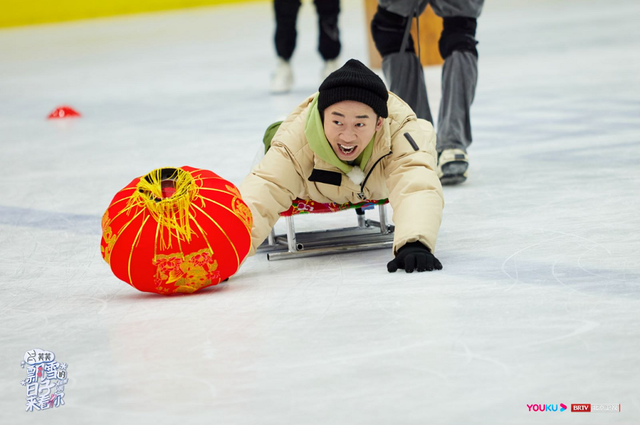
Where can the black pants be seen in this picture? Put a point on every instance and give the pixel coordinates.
(286, 34)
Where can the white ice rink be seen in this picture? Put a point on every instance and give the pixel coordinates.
(538, 302)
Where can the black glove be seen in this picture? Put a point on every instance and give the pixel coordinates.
(414, 256)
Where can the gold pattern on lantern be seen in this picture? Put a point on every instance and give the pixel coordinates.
(242, 211)
(239, 208)
(178, 274)
(109, 238)
(233, 190)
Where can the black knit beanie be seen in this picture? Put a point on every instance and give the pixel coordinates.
(354, 81)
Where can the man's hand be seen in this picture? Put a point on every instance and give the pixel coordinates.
(414, 256)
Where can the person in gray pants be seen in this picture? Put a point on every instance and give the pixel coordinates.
(403, 71)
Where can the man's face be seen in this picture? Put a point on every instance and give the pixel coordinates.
(349, 127)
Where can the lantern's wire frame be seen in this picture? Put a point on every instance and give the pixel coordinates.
(367, 235)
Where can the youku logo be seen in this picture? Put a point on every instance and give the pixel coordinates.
(45, 381)
(546, 407)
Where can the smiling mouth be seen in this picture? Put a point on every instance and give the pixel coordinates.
(347, 150)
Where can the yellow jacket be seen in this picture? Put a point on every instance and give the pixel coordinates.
(395, 171)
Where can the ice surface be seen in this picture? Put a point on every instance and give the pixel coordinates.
(538, 302)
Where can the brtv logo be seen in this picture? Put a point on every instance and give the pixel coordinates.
(546, 407)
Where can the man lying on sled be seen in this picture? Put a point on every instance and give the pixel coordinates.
(354, 141)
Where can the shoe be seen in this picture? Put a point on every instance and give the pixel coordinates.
(282, 78)
(329, 66)
(452, 166)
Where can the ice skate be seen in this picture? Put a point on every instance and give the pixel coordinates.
(282, 79)
(452, 166)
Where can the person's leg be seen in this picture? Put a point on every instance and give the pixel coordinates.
(460, 71)
(403, 7)
(400, 65)
(459, 79)
(329, 34)
(286, 12)
(329, 39)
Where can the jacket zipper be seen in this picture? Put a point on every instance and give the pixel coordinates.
(361, 194)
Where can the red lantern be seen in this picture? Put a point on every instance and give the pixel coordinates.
(176, 230)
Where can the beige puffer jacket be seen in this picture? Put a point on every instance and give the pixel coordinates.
(395, 171)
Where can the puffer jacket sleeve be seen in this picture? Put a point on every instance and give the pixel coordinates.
(415, 192)
(269, 190)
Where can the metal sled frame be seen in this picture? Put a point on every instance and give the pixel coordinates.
(367, 235)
